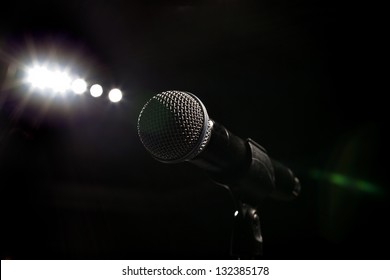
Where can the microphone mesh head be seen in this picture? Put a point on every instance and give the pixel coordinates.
(174, 126)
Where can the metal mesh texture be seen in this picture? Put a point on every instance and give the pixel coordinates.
(174, 126)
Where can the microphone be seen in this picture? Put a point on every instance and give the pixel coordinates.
(174, 127)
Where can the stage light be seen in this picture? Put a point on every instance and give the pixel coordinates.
(37, 76)
(115, 95)
(44, 78)
(96, 90)
(49, 78)
(79, 86)
(59, 81)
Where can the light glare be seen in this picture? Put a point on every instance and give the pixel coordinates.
(36, 76)
(115, 95)
(79, 86)
(59, 81)
(43, 78)
(96, 90)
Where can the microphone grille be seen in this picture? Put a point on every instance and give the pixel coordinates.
(174, 126)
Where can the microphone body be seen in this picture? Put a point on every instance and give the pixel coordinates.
(245, 167)
(174, 127)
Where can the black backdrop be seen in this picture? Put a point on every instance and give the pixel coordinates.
(77, 183)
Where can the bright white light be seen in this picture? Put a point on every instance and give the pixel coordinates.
(96, 90)
(115, 95)
(79, 86)
(59, 81)
(43, 78)
(37, 76)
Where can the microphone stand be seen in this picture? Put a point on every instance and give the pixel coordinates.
(246, 239)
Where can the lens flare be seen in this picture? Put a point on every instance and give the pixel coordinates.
(96, 90)
(346, 182)
(43, 78)
(37, 76)
(115, 95)
(79, 86)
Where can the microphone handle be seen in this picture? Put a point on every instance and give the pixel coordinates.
(287, 185)
(245, 167)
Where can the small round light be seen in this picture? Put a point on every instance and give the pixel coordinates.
(96, 90)
(115, 95)
(79, 86)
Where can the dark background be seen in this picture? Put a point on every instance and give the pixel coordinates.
(76, 182)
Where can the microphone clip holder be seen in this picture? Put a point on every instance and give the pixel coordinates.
(247, 239)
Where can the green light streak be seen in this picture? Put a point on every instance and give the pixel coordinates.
(346, 182)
